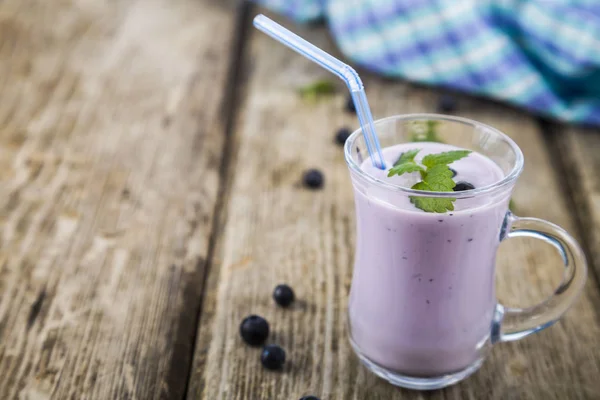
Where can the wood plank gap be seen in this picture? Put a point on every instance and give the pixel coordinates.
(228, 114)
(578, 205)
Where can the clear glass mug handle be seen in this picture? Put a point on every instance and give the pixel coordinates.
(516, 323)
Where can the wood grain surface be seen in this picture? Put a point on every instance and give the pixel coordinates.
(277, 231)
(124, 178)
(580, 150)
(110, 146)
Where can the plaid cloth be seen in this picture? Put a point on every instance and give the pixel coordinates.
(542, 55)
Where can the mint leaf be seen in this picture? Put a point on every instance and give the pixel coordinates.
(405, 168)
(445, 158)
(422, 186)
(436, 177)
(439, 178)
(431, 204)
(406, 164)
(407, 156)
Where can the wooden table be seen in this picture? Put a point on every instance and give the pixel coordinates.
(150, 159)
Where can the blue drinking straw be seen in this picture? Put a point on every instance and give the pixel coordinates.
(344, 71)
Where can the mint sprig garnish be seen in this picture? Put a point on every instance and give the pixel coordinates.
(435, 177)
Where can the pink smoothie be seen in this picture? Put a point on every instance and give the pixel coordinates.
(422, 297)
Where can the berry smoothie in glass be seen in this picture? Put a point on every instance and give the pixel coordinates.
(423, 310)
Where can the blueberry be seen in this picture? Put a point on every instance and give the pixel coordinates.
(272, 357)
(310, 398)
(350, 107)
(254, 330)
(454, 173)
(283, 295)
(313, 178)
(461, 186)
(342, 135)
(446, 104)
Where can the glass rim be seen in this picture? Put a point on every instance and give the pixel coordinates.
(507, 180)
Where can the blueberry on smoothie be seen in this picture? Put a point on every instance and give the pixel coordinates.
(462, 186)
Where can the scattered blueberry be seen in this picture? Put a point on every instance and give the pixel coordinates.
(313, 178)
(446, 104)
(342, 135)
(350, 107)
(453, 172)
(283, 295)
(272, 357)
(254, 330)
(462, 186)
(317, 22)
(310, 398)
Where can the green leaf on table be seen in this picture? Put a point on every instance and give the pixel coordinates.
(313, 91)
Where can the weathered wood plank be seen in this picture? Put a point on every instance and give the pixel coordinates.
(580, 151)
(276, 231)
(110, 146)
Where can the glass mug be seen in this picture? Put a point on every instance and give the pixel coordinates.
(423, 311)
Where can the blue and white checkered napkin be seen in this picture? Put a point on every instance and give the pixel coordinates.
(542, 55)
